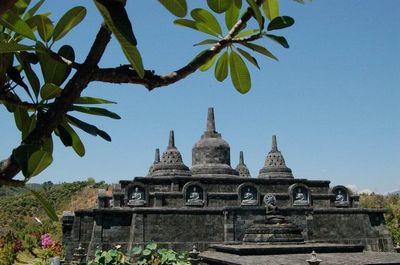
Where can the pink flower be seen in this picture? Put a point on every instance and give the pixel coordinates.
(46, 241)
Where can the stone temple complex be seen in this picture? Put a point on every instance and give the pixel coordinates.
(212, 204)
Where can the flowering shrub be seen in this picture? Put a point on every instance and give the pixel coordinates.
(47, 242)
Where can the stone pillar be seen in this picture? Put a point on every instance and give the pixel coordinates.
(229, 235)
(117, 195)
(67, 220)
(102, 199)
(97, 235)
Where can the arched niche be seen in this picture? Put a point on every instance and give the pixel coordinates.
(300, 195)
(136, 195)
(248, 194)
(194, 194)
(342, 196)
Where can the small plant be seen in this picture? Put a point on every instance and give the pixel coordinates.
(152, 255)
(46, 240)
(109, 257)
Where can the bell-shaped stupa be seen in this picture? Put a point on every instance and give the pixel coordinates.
(241, 168)
(171, 163)
(275, 166)
(211, 154)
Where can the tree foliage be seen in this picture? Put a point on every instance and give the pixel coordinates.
(41, 87)
(392, 204)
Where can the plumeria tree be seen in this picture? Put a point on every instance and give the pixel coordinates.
(51, 81)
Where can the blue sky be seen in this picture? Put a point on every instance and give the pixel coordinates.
(332, 99)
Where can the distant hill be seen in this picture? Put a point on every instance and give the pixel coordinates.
(19, 208)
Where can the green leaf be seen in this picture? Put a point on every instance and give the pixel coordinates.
(48, 145)
(279, 39)
(20, 6)
(88, 128)
(195, 25)
(146, 252)
(239, 73)
(45, 27)
(271, 9)
(151, 246)
(33, 10)
(96, 111)
(51, 213)
(21, 154)
(38, 162)
(64, 136)
(55, 71)
(49, 91)
(77, 144)
(7, 47)
(260, 49)
(280, 23)
(68, 21)
(137, 250)
(250, 58)
(28, 126)
(256, 13)
(207, 19)
(15, 75)
(176, 7)
(246, 33)
(13, 22)
(219, 6)
(208, 64)
(118, 22)
(207, 41)
(21, 117)
(232, 14)
(31, 75)
(91, 100)
(221, 68)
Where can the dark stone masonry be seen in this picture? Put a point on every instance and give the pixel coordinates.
(215, 205)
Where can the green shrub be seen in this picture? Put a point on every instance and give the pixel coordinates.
(110, 257)
(151, 254)
(7, 254)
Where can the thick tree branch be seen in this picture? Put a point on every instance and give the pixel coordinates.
(125, 74)
(49, 121)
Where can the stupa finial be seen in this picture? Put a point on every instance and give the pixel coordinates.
(274, 143)
(157, 156)
(210, 120)
(241, 159)
(171, 142)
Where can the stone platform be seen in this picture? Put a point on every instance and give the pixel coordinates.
(212, 257)
(269, 249)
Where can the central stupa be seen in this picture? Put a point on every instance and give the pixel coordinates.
(211, 154)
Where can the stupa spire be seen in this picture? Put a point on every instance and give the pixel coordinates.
(171, 142)
(241, 159)
(210, 120)
(157, 156)
(274, 144)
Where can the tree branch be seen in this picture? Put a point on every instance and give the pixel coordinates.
(126, 74)
(49, 121)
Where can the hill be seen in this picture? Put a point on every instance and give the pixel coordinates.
(20, 209)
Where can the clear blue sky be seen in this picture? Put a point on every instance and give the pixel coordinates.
(332, 99)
